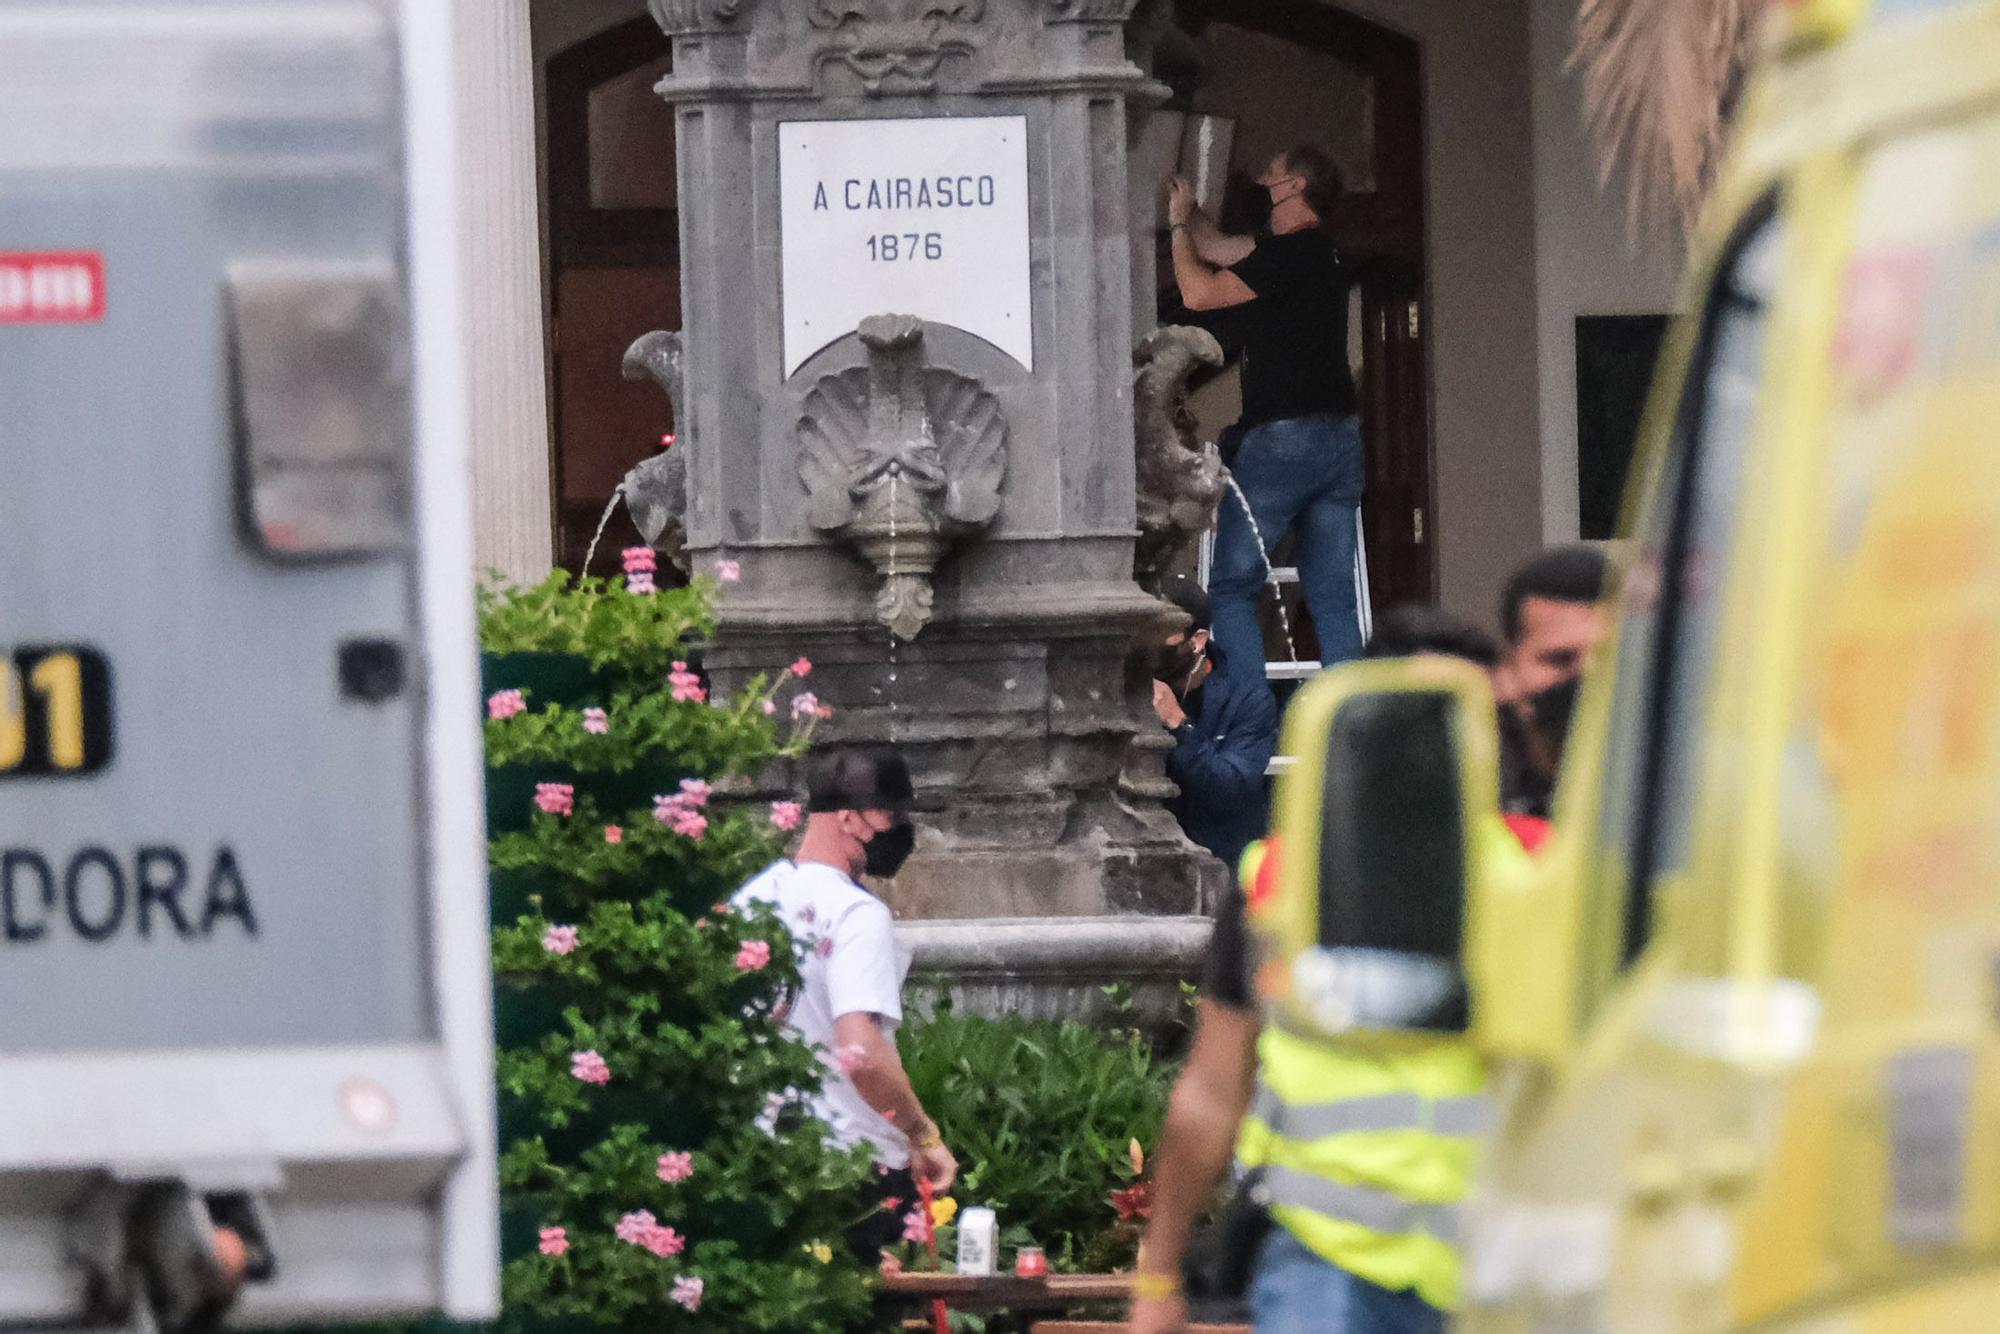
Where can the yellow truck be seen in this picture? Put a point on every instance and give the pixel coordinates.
(1741, 1014)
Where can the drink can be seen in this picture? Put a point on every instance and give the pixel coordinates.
(978, 1240)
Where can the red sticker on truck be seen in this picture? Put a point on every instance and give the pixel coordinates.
(51, 287)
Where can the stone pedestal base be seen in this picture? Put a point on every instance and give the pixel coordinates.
(1032, 742)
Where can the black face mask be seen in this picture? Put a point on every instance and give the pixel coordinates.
(1175, 663)
(889, 849)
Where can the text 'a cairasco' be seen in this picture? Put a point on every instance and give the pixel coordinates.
(153, 892)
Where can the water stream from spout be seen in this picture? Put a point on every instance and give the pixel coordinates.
(895, 484)
(1264, 552)
(603, 522)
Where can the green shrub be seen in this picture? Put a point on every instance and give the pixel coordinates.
(1043, 1116)
(631, 1026)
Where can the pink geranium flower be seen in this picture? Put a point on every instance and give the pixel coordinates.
(640, 562)
(687, 1291)
(680, 817)
(806, 705)
(755, 954)
(559, 939)
(555, 1240)
(803, 667)
(728, 571)
(613, 834)
(786, 815)
(681, 812)
(596, 721)
(663, 1241)
(504, 704)
(769, 706)
(634, 1226)
(676, 1167)
(589, 1067)
(686, 685)
(555, 798)
(916, 1227)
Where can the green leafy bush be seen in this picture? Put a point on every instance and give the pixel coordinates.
(1044, 1117)
(656, 1172)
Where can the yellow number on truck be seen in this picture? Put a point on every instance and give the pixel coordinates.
(55, 712)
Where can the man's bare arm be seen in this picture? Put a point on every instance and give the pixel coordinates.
(1213, 244)
(1199, 1138)
(1203, 285)
(876, 1067)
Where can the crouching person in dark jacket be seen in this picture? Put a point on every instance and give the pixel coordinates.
(1225, 731)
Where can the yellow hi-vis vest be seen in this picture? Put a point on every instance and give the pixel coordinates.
(1368, 1146)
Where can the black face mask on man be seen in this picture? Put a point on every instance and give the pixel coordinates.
(886, 852)
(1175, 663)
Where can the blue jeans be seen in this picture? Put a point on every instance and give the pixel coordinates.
(1294, 1291)
(1304, 472)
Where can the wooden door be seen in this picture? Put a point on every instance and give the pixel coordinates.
(615, 255)
(1395, 427)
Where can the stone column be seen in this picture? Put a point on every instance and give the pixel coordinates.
(499, 223)
(946, 530)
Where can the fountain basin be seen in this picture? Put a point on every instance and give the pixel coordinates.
(1058, 968)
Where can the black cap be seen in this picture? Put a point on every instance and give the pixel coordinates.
(1189, 596)
(857, 779)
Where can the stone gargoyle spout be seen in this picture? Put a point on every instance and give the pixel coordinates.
(656, 490)
(901, 460)
(1179, 476)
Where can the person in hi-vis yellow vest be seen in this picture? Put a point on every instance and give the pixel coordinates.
(1365, 1099)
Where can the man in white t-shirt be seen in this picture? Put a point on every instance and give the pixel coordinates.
(851, 972)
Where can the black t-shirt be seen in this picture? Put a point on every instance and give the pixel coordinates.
(1225, 974)
(1295, 332)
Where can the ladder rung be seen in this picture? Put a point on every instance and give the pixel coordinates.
(1279, 764)
(1284, 574)
(1291, 671)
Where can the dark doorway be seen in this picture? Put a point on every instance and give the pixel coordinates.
(1615, 358)
(1297, 71)
(614, 246)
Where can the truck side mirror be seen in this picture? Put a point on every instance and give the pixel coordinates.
(1381, 825)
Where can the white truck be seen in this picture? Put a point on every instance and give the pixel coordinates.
(244, 992)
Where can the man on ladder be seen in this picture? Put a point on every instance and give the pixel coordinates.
(1300, 464)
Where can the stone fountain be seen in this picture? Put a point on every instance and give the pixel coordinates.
(905, 397)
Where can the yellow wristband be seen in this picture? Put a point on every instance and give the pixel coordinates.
(1154, 1287)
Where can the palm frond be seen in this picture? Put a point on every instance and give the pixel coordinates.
(1657, 79)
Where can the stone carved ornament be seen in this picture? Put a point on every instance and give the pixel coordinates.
(1090, 11)
(900, 460)
(677, 17)
(656, 490)
(895, 45)
(1179, 477)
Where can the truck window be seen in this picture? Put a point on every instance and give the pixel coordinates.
(1670, 604)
